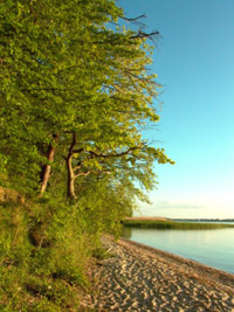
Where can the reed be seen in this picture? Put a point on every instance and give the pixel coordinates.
(175, 225)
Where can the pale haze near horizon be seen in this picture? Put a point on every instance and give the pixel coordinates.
(194, 62)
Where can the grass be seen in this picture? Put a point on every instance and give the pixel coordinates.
(173, 225)
(47, 277)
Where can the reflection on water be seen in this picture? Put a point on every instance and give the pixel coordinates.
(211, 247)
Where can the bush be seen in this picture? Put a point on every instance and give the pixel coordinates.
(47, 276)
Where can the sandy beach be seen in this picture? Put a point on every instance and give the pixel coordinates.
(141, 278)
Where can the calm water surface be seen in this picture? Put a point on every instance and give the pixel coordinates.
(212, 247)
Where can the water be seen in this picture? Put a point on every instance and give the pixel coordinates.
(211, 247)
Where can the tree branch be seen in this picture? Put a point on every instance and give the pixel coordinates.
(78, 151)
(77, 167)
(133, 19)
(73, 143)
(143, 35)
(83, 173)
(94, 154)
(92, 171)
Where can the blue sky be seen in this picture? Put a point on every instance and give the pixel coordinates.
(194, 60)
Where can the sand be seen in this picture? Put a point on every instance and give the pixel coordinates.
(141, 278)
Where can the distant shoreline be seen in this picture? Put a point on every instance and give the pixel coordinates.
(177, 224)
(181, 219)
(202, 220)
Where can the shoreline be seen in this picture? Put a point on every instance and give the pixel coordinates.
(211, 272)
(141, 278)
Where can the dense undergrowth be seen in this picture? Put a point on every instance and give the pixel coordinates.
(45, 257)
(42, 269)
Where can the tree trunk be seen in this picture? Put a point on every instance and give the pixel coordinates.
(70, 179)
(70, 172)
(47, 168)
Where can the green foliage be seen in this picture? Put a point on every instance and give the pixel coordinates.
(74, 95)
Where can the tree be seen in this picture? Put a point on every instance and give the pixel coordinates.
(77, 78)
(75, 92)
